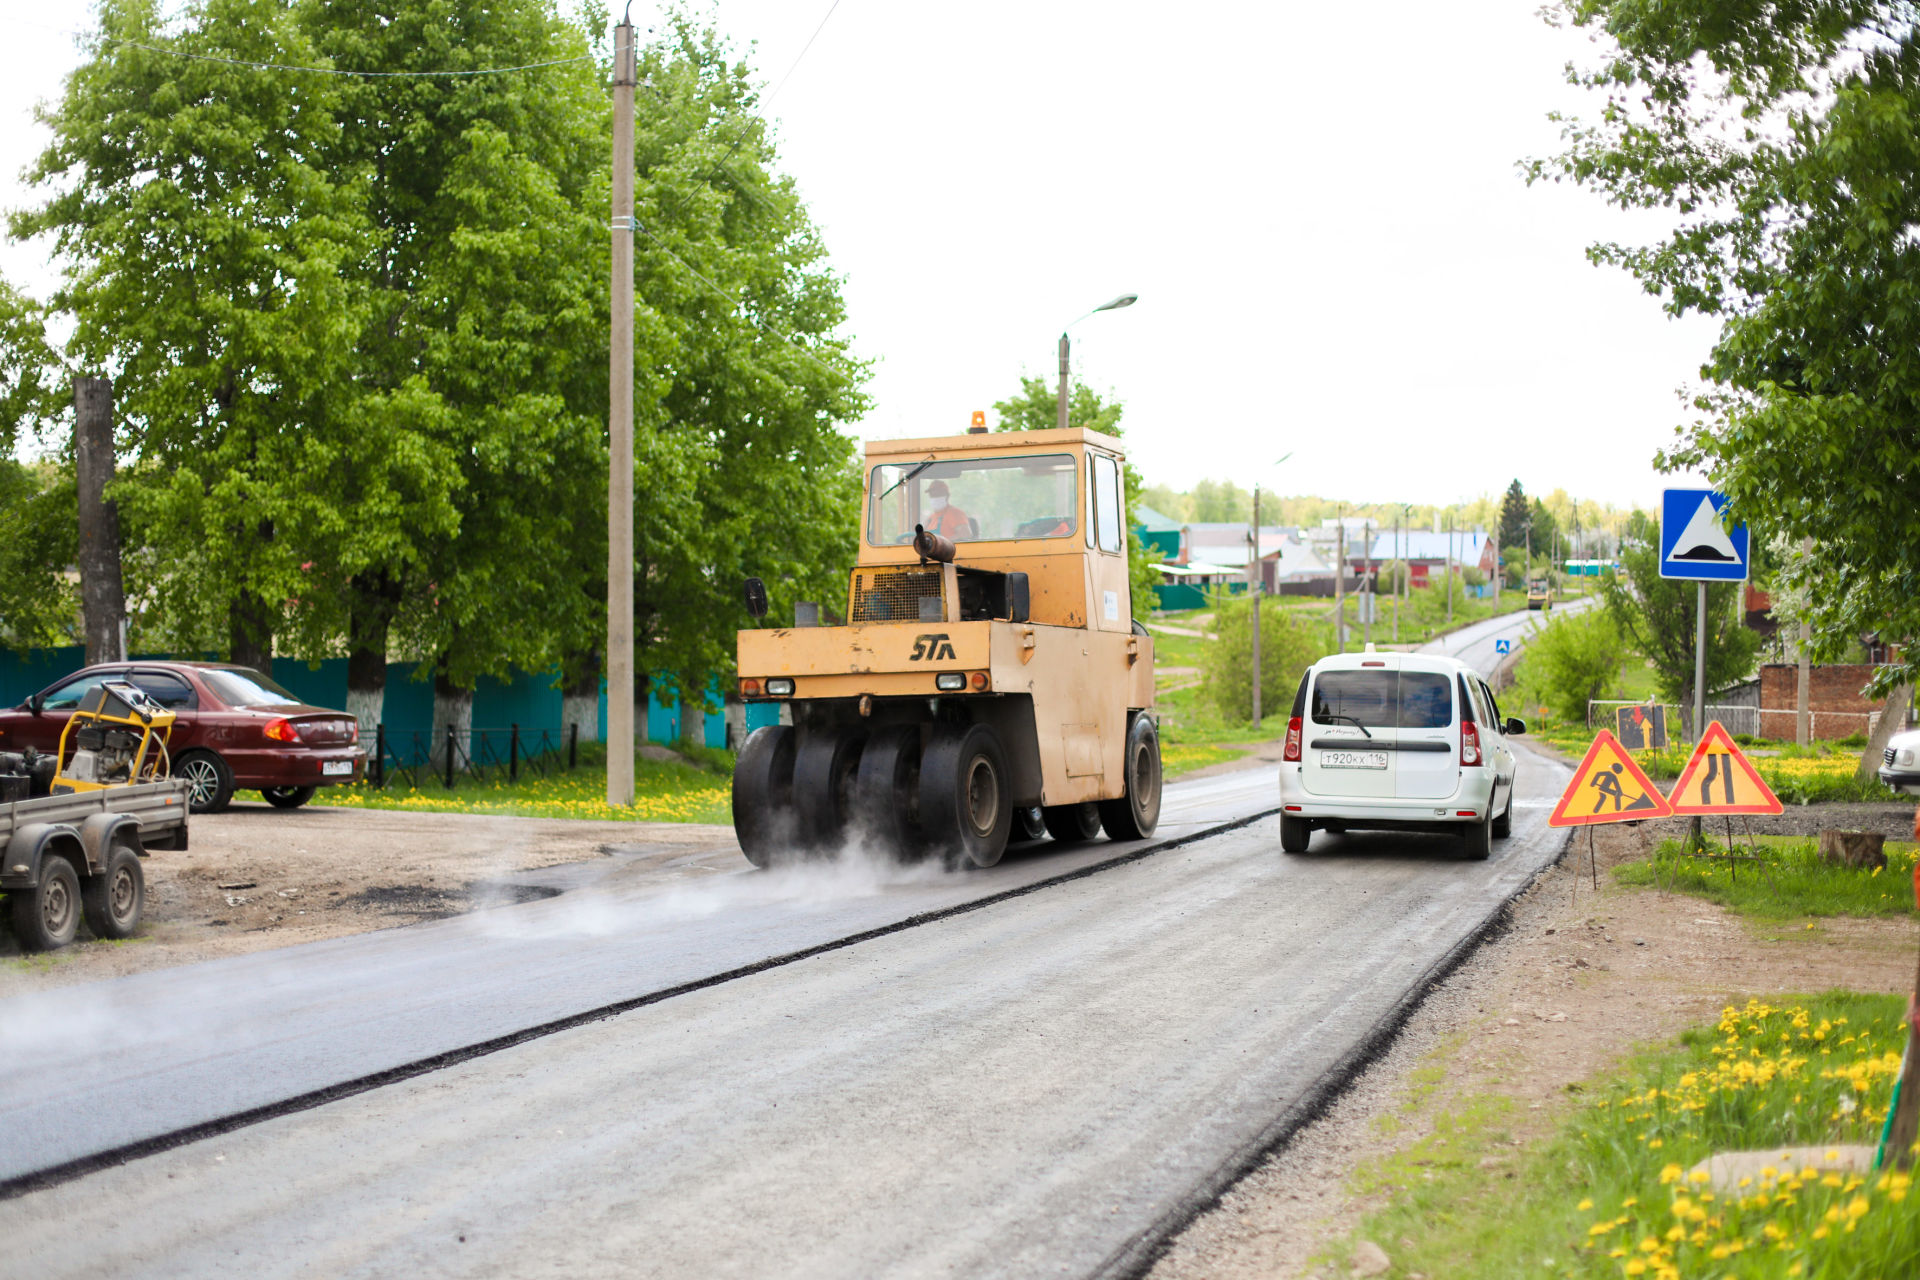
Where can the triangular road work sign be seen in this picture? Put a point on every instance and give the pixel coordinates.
(1608, 787)
(1719, 779)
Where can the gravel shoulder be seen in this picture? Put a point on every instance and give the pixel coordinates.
(258, 877)
(1577, 980)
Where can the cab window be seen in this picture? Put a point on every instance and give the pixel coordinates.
(1107, 514)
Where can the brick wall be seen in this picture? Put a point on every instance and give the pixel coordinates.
(1833, 695)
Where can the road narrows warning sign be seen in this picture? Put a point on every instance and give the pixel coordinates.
(1720, 779)
(1608, 787)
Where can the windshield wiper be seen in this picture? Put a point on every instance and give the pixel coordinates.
(1354, 720)
(903, 479)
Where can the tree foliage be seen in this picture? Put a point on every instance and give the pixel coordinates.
(1659, 616)
(1783, 141)
(1289, 644)
(1036, 408)
(1570, 661)
(1513, 518)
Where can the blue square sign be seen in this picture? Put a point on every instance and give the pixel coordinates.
(1696, 543)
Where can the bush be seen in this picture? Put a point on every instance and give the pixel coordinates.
(1570, 661)
(1288, 646)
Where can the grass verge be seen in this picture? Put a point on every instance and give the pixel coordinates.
(664, 791)
(1796, 882)
(1177, 758)
(1611, 1193)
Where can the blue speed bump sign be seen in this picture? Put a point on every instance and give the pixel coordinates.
(1696, 542)
(1503, 646)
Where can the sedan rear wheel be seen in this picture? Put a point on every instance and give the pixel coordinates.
(287, 797)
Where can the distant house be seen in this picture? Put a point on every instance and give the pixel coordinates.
(1428, 553)
(1161, 535)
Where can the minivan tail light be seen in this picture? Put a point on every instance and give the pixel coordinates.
(1469, 743)
(1292, 752)
(281, 730)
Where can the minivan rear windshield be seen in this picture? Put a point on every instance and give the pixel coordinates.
(1384, 699)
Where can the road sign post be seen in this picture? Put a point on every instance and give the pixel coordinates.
(1698, 545)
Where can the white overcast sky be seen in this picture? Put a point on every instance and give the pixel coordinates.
(1317, 204)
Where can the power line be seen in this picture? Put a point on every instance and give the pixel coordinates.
(803, 53)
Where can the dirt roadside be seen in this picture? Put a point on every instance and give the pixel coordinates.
(1576, 981)
(258, 877)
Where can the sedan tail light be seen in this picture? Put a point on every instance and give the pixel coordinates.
(281, 730)
(1293, 740)
(1470, 743)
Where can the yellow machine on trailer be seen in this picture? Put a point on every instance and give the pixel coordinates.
(990, 664)
(74, 825)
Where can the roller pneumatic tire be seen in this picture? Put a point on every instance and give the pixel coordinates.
(886, 791)
(824, 767)
(966, 796)
(46, 917)
(1476, 840)
(763, 794)
(1029, 823)
(1072, 823)
(1135, 815)
(286, 797)
(209, 780)
(114, 899)
(1295, 833)
(1503, 825)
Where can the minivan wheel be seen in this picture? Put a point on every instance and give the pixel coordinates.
(1503, 825)
(1476, 839)
(1294, 834)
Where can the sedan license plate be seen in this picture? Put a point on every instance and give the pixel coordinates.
(1353, 759)
(336, 766)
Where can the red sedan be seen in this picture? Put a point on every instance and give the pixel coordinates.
(235, 729)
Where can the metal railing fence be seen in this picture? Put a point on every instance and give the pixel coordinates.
(476, 755)
(1772, 723)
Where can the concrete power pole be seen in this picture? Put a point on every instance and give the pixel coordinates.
(620, 437)
(103, 600)
(1803, 682)
(1449, 568)
(1253, 590)
(1340, 582)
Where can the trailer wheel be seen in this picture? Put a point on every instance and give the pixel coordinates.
(1072, 823)
(966, 804)
(763, 794)
(1135, 815)
(114, 899)
(886, 792)
(824, 769)
(46, 918)
(209, 781)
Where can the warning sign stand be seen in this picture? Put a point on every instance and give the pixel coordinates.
(1607, 787)
(1719, 778)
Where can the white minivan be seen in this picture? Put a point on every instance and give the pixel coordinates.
(1396, 742)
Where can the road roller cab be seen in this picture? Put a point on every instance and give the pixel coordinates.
(989, 665)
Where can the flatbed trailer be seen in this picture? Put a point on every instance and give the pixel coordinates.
(78, 854)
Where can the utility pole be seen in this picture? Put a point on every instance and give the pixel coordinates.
(1060, 415)
(1340, 581)
(1803, 682)
(1497, 575)
(1449, 568)
(1372, 593)
(1400, 561)
(1253, 590)
(620, 436)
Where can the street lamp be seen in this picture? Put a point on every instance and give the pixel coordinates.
(1124, 300)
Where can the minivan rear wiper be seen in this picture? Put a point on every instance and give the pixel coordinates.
(1353, 720)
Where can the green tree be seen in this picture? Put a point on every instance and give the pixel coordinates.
(1220, 502)
(1570, 661)
(1036, 408)
(1545, 530)
(203, 232)
(1513, 518)
(1658, 617)
(39, 539)
(1288, 646)
(1780, 142)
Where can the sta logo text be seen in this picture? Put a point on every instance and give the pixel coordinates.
(932, 647)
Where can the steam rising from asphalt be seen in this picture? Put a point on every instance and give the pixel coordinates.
(860, 867)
